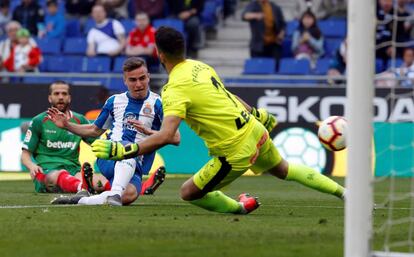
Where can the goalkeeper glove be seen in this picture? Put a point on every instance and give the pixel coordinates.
(109, 150)
(267, 119)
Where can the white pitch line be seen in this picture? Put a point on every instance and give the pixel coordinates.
(33, 206)
(185, 204)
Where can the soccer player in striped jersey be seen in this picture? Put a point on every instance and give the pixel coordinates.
(56, 166)
(131, 117)
(236, 134)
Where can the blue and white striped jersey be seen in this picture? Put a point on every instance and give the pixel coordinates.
(120, 108)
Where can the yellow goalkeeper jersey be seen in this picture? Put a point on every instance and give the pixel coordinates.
(196, 94)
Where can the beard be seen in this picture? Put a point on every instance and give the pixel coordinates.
(61, 106)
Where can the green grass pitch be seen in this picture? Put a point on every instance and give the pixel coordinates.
(292, 221)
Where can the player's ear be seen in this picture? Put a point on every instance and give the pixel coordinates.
(49, 99)
(161, 56)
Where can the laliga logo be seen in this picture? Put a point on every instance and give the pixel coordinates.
(129, 116)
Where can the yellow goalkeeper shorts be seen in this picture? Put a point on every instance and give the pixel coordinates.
(257, 152)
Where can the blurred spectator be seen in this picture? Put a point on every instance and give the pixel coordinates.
(403, 75)
(267, 26)
(337, 65)
(7, 45)
(322, 8)
(116, 9)
(229, 8)
(385, 25)
(154, 8)
(307, 39)
(5, 16)
(141, 40)
(189, 12)
(107, 36)
(29, 14)
(54, 26)
(26, 56)
(404, 24)
(78, 8)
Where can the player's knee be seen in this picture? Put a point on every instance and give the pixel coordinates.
(280, 170)
(130, 195)
(189, 191)
(52, 177)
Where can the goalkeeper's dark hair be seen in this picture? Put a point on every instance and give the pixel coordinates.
(133, 63)
(170, 42)
(59, 82)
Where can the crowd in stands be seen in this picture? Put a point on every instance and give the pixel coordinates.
(315, 41)
(38, 34)
(80, 31)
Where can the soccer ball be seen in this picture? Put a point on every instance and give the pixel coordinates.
(332, 133)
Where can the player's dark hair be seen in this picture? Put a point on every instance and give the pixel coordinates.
(133, 63)
(51, 2)
(170, 42)
(59, 82)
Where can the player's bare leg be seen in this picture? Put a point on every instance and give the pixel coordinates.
(62, 179)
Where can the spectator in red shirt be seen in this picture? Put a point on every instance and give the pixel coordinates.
(26, 56)
(141, 40)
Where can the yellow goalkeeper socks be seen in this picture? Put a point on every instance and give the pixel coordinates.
(218, 202)
(313, 179)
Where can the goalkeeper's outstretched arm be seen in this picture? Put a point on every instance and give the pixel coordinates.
(262, 115)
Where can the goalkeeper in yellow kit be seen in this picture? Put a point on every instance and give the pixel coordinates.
(236, 134)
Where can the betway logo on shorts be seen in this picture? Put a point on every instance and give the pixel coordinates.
(61, 145)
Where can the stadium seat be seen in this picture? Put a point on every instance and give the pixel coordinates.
(38, 80)
(291, 26)
(333, 28)
(119, 61)
(43, 64)
(322, 66)
(259, 66)
(128, 24)
(97, 64)
(73, 28)
(397, 63)
(291, 66)
(88, 25)
(209, 16)
(64, 63)
(89, 81)
(116, 85)
(170, 22)
(331, 45)
(75, 45)
(379, 66)
(49, 45)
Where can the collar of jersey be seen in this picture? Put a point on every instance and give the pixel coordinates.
(137, 100)
(177, 66)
